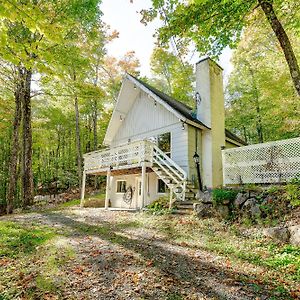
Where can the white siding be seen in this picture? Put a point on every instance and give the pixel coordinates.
(145, 120)
(179, 146)
(116, 199)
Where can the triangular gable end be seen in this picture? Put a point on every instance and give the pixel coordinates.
(127, 96)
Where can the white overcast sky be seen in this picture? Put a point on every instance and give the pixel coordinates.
(123, 16)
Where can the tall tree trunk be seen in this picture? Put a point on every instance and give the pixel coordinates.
(27, 141)
(167, 76)
(245, 134)
(12, 184)
(78, 142)
(259, 126)
(267, 7)
(95, 119)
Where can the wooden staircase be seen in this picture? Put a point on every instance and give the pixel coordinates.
(173, 176)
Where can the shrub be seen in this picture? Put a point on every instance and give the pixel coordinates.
(221, 196)
(273, 189)
(160, 206)
(293, 192)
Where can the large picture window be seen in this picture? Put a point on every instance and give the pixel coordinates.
(161, 187)
(164, 143)
(121, 186)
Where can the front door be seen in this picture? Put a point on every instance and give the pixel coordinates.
(138, 188)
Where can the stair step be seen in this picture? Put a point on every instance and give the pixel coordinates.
(188, 202)
(185, 206)
(182, 212)
(161, 173)
(189, 194)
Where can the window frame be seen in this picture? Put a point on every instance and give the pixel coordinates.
(157, 187)
(169, 153)
(120, 180)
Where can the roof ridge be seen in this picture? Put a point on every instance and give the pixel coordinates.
(154, 88)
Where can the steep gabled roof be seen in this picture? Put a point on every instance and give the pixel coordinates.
(181, 110)
(184, 109)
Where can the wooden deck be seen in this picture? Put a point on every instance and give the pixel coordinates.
(129, 171)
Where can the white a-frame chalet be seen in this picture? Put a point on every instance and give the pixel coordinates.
(158, 145)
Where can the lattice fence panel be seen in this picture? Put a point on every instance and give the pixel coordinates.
(272, 162)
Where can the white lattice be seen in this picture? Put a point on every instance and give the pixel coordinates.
(262, 163)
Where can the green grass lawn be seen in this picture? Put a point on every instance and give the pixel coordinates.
(281, 262)
(34, 256)
(21, 240)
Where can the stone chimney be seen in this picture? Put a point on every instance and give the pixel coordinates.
(211, 112)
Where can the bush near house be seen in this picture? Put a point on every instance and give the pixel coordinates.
(159, 206)
(223, 196)
(293, 192)
(257, 204)
(272, 210)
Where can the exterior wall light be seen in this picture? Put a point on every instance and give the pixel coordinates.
(196, 160)
(198, 98)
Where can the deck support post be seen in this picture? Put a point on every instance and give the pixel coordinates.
(83, 188)
(107, 195)
(171, 198)
(143, 187)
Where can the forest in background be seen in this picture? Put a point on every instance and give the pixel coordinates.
(59, 87)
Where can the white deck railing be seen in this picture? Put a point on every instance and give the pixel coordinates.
(122, 157)
(271, 162)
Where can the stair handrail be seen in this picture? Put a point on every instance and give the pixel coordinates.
(167, 170)
(183, 175)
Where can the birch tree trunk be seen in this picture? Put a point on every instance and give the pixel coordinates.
(95, 119)
(95, 134)
(78, 142)
(77, 133)
(267, 7)
(27, 179)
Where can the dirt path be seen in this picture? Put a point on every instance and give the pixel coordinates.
(116, 258)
